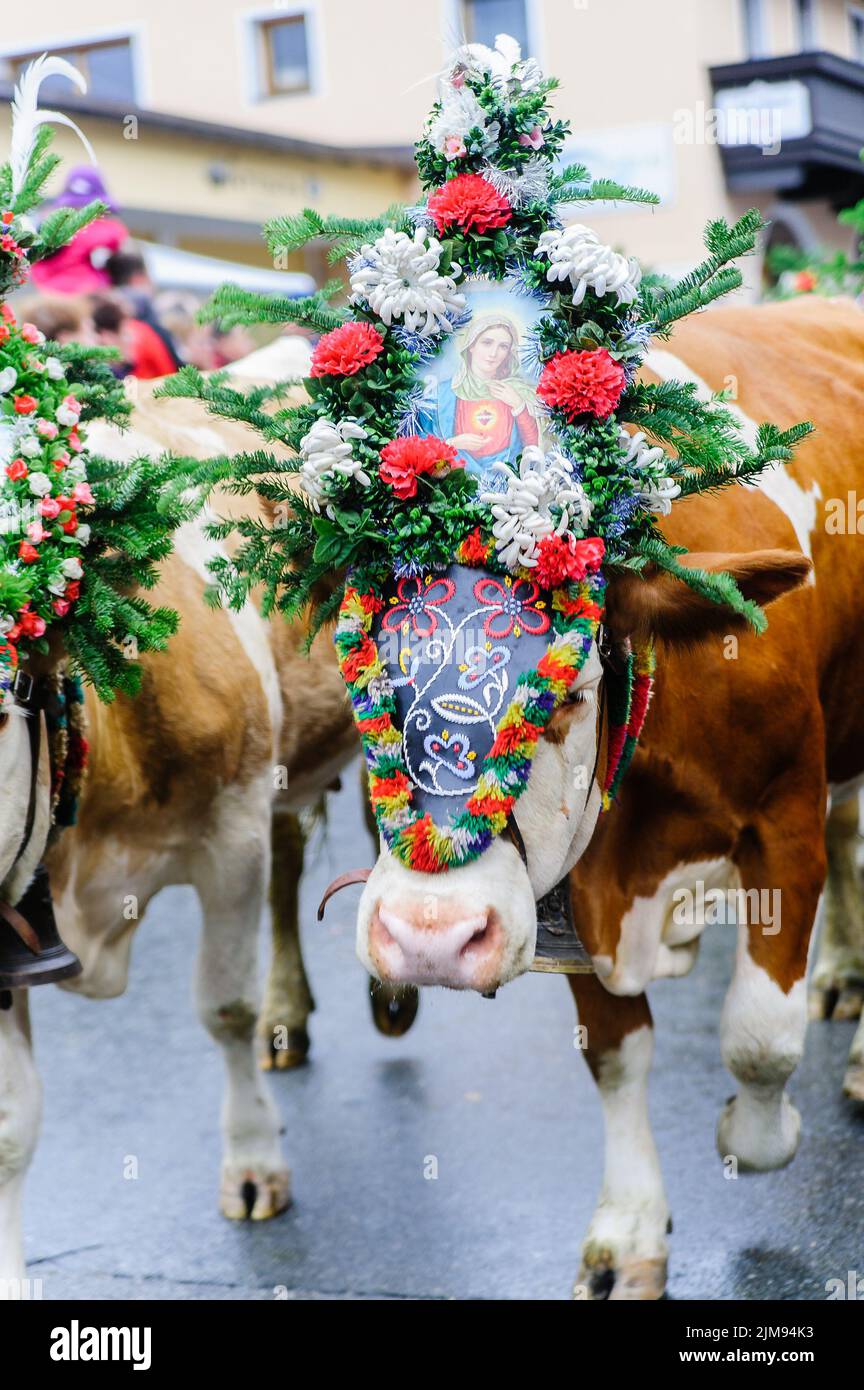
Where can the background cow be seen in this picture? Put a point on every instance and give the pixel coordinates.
(194, 782)
(730, 786)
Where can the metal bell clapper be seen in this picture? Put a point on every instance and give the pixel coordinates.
(31, 952)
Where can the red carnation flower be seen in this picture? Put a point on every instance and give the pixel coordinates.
(560, 558)
(25, 405)
(27, 552)
(73, 590)
(578, 383)
(469, 201)
(554, 556)
(344, 351)
(403, 460)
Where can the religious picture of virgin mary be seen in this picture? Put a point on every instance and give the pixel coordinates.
(480, 398)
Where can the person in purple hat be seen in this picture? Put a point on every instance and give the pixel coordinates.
(79, 267)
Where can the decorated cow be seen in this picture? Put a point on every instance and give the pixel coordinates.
(520, 507)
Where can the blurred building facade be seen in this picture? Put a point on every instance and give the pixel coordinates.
(209, 116)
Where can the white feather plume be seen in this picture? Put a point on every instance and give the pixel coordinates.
(27, 118)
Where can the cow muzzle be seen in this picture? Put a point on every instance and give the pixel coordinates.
(472, 928)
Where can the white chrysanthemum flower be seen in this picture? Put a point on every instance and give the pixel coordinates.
(327, 449)
(577, 254)
(460, 113)
(54, 368)
(658, 491)
(8, 377)
(523, 514)
(398, 278)
(72, 568)
(82, 535)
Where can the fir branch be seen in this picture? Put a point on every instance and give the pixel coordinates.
(717, 587)
(286, 234)
(231, 305)
(602, 190)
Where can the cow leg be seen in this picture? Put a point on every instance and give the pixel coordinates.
(765, 1012)
(625, 1251)
(20, 1115)
(853, 1081)
(837, 983)
(288, 1002)
(231, 885)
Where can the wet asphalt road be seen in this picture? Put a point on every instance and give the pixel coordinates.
(493, 1090)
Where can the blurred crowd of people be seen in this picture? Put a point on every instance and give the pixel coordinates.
(98, 290)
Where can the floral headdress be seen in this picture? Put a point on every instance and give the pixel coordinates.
(78, 532)
(368, 491)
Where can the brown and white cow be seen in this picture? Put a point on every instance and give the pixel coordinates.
(729, 789)
(194, 782)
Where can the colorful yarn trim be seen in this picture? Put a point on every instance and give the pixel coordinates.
(628, 705)
(414, 839)
(68, 749)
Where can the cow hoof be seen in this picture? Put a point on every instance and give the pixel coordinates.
(248, 1194)
(853, 1081)
(281, 1048)
(760, 1134)
(394, 1007)
(630, 1281)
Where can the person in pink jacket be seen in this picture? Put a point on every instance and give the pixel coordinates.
(79, 267)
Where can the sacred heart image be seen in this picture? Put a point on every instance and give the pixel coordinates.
(479, 393)
(454, 645)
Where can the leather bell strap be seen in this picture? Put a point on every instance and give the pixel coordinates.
(21, 926)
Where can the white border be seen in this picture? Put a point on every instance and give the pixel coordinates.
(134, 33)
(253, 85)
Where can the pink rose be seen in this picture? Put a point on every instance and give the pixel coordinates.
(75, 441)
(49, 507)
(47, 429)
(81, 493)
(30, 333)
(61, 607)
(37, 532)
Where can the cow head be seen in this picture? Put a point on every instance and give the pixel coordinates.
(458, 649)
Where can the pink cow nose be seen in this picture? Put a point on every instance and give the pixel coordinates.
(465, 953)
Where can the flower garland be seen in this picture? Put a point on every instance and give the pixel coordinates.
(44, 491)
(80, 535)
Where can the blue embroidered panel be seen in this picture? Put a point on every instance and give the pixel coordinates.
(454, 645)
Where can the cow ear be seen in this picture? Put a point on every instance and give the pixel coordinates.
(654, 603)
